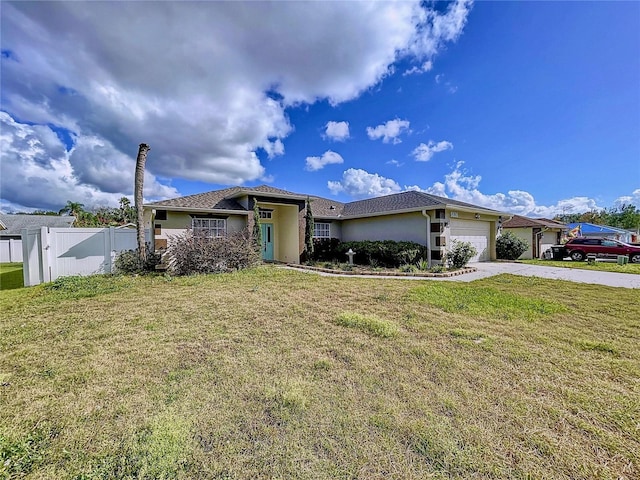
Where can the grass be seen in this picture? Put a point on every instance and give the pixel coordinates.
(11, 276)
(273, 373)
(633, 268)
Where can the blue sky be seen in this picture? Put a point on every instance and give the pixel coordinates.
(526, 107)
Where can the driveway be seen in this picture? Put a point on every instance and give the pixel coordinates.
(486, 269)
(610, 279)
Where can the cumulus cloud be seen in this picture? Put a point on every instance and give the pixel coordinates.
(337, 131)
(202, 82)
(633, 199)
(424, 152)
(359, 183)
(328, 157)
(461, 185)
(389, 131)
(38, 171)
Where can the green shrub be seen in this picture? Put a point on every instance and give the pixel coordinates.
(510, 247)
(437, 269)
(128, 262)
(191, 253)
(422, 264)
(460, 254)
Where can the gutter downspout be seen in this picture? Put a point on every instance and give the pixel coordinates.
(426, 215)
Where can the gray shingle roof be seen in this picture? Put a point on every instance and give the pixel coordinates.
(15, 223)
(321, 207)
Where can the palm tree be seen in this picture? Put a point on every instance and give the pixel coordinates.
(308, 231)
(139, 183)
(72, 208)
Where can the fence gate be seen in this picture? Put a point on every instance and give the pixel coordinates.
(49, 253)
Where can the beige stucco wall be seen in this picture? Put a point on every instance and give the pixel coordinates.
(178, 222)
(399, 227)
(286, 246)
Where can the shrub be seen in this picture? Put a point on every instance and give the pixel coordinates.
(128, 262)
(325, 250)
(191, 253)
(510, 247)
(460, 254)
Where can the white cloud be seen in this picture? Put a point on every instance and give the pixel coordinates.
(425, 67)
(37, 171)
(203, 82)
(328, 157)
(337, 131)
(360, 184)
(424, 152)
(633, 199)
(395, 162)
(389, 131)
(462, 186)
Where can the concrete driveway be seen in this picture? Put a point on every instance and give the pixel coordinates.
(485, 269)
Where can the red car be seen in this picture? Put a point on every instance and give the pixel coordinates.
(578, 249)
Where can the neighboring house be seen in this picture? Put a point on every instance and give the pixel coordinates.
(11, 232)
(601, 231)
(15, 223)
(539, 233)
(410, 216)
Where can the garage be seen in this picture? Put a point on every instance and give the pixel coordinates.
(475, 232)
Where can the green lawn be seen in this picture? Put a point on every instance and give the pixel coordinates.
(11, 276)
(273, 373)
(599, 266)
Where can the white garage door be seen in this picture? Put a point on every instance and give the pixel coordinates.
(475, 232)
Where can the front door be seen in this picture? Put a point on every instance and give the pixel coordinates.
(267, 241)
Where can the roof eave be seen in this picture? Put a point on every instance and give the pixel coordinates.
(196, 209)
(243, 192)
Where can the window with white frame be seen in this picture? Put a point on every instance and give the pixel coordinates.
(321, 230)
(211, 227)
(264, 213)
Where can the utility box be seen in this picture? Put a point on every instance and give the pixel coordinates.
(623, 259)
(558, 252)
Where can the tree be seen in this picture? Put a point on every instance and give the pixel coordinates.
(75, 209)
(510, 247)
(308, 231)
(127, 212)
(257, 231)
(138, 185)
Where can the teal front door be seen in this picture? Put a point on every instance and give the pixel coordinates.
(267, 241)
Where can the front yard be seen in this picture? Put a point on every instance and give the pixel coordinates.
(273, 373)
(11, 276)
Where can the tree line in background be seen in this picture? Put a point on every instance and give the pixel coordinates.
(97, 217)
(626, 216)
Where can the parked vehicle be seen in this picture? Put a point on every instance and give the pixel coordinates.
(578, 248)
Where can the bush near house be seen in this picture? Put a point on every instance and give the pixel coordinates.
(385, 253)
(191, 253)
(510, 247)
(460, 254)
(128, 262)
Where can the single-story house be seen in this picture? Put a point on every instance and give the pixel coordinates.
(15, 223)
(408, 216)
(539, 233)
(11, 231)
(591, 230)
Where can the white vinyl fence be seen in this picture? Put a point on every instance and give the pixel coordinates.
(10, 250)
(49, 253)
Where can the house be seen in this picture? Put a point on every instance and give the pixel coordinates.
(11, 232)
(15, 223)
(408, 216)
(601, 231)
(539, 233)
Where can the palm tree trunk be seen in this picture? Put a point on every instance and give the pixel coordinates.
(139, 183)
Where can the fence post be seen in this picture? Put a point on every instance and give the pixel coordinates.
(46, 274)
(109, 245)
(26, 277)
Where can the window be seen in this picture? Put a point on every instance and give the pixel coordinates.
(211, 227)
(161, 214)
(321, 230)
